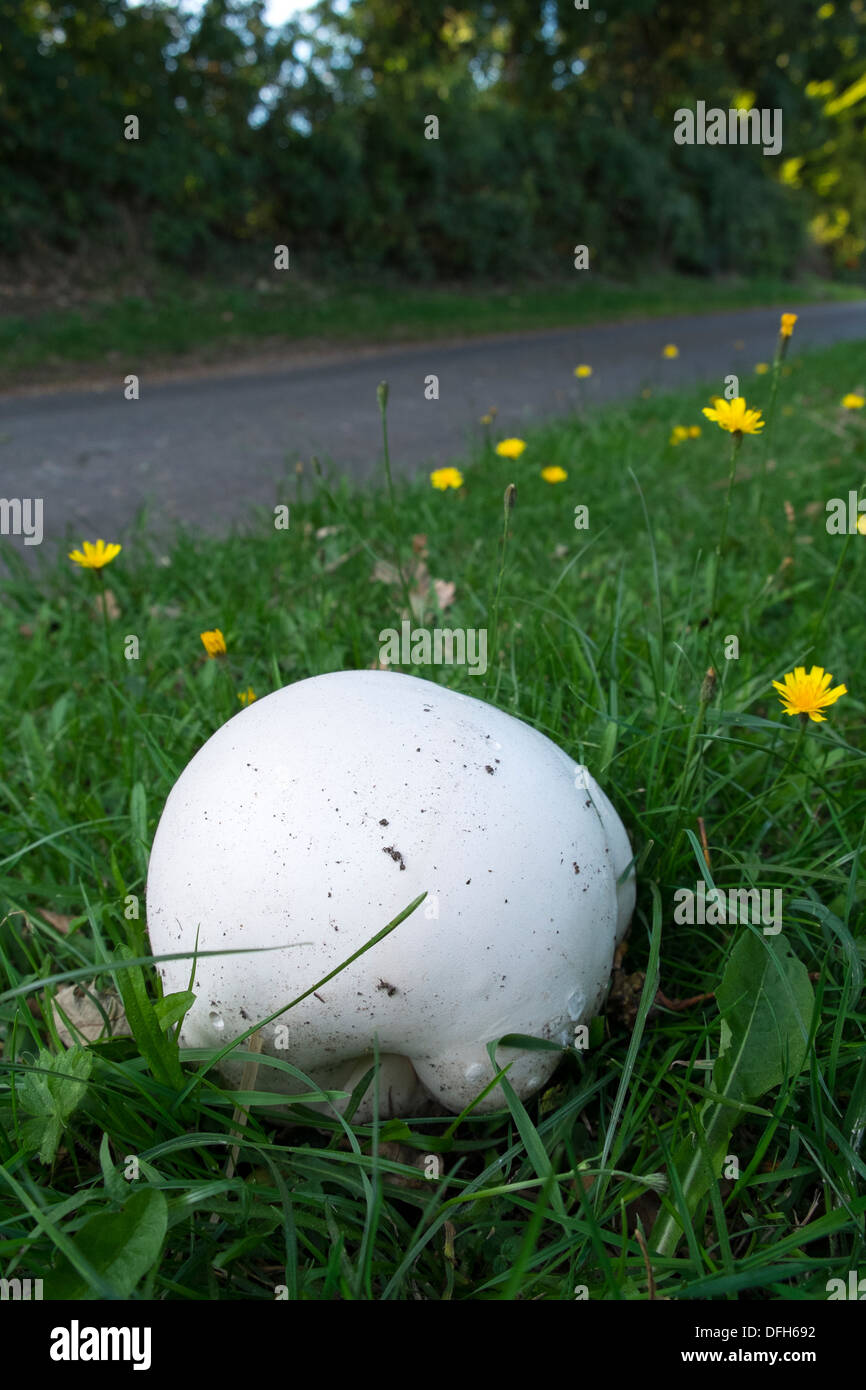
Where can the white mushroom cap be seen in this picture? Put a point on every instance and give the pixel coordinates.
(316, 815)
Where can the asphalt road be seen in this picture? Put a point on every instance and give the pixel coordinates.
(203, 450)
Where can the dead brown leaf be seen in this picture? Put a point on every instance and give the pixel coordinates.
(418, 578)
(58, 920)
(86, 1021)
(384, 573)
(418, 595)
(108, 602)
(445, 592)
(410, 1158)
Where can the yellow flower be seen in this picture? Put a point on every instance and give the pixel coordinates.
(670, 350)
(214, 642)
(681, 432)
(247, 696)
(583, 370)
(787, 325)
(446, 477)
(761, 368)
(510, 448)
(486, 420)
(853, 402)
(554, 474)
(802, 694)
(734, 417)
(95, 556)
(861, 523)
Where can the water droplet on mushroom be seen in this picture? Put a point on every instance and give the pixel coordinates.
(475, 1072)
(217, 1020)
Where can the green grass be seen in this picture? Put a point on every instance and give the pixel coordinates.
(604, 640)
(216, 321)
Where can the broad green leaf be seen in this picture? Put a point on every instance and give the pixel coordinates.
(766, 1002)
(527, 1043)
(608, 745)
(158, 1048)
(115, 1186)
(50, 1095)
(58, 712)
(173, 1007)
(394, 1131)
(122, 1246)
(138, 825)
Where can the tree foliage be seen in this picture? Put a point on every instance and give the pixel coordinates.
(555, 129)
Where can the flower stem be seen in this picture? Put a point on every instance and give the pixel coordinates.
(382, 394)
(736, 441)
(770, 416)
(109, 668)
(508, 504)
(819, 621)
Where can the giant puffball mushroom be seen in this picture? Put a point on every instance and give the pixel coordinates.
(315, 816)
